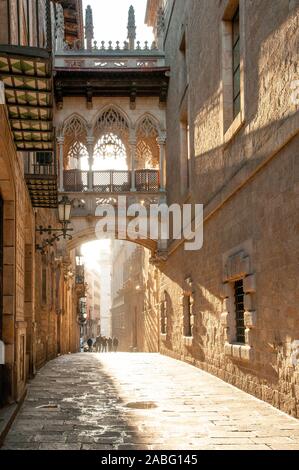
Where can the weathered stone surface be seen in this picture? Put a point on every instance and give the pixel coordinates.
(194, 409)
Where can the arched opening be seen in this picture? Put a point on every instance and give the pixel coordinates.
(111, 285)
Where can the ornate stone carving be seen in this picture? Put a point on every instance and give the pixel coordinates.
(89, 28)
(60, 44)
(131, 28)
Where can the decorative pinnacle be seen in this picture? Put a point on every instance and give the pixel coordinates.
(131, 27)
(89, 27)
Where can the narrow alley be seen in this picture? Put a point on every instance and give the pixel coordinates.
(129, 401)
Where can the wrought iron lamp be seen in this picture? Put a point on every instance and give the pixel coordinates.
(64, 216)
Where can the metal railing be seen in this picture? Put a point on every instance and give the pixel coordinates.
(28, 23)
(147, 180)
(75, 181)
(40, 164)
(113, 181)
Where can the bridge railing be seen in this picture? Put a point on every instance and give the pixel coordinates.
(110, 181)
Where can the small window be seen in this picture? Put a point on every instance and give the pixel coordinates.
(183, 64)
(239, 310)
(163, 313)
(187, 316)
(236, 63)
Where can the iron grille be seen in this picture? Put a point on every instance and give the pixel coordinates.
(147, 180)
(75, 181)
(111, 181)
(239, 309)
(39, 163)
(236, 63)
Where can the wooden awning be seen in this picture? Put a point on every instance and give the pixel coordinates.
(27, 76)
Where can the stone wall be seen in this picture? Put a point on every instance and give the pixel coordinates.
(245, 176)
(29, 323)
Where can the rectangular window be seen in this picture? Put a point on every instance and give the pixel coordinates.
(163, 312)
(236, 63)
(239, 311)
(185, 153)
(187, 316)
(183, 65)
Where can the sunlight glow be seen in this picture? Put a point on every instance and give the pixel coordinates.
(92, 252)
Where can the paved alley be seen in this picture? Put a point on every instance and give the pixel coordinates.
(142, 401)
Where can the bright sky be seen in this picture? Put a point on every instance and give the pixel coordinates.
(110, 19)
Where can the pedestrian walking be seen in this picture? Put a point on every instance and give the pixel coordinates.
(115, 343)
(110, 342)
(90, 344)
(98, 344)
(104, 344)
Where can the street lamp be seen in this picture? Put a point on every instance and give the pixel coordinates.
(64, 216)
(64, 210)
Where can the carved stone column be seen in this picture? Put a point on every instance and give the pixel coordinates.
(90, 145)
(161, 142)
(133, 144)
(59, 28)
(60, 141)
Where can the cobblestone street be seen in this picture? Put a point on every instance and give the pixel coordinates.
(142, 401)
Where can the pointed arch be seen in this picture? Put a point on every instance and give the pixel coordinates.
(75, 125)
(147, 123)
(74, 132)
(112, 119)
(113, 124)
(147, 133)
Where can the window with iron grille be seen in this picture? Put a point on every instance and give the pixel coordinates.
(236, 63)
(239, 310)
(163, 313)
(44, 158)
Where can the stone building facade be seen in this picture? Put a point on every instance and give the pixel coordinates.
(232, 125)
(38, 319)
(135, 295)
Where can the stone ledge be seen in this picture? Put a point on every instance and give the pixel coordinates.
(234, 128)
(239, 351)
(250, 319)
(188, 340)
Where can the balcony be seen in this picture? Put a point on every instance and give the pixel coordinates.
(41, 177)
(77, 181)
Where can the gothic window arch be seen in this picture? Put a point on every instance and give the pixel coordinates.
(75, 136)
(111, 121)
(75, 128)
(76, 152)
(147, 146)
(111, 148)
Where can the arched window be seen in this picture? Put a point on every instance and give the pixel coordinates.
(110, 153)
(147, 147)
(75, 134)
(77, 155)
(111, 121)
